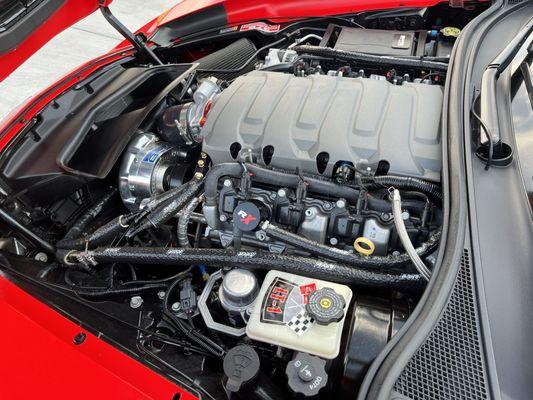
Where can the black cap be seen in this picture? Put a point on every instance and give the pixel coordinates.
(325, 306)
(306, 375)
(241, 365)
(246, 216)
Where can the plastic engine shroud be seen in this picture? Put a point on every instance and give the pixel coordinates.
(356, 119)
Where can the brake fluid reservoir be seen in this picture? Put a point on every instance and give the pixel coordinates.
(283, 315)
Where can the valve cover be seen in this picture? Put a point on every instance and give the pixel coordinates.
(315, 121)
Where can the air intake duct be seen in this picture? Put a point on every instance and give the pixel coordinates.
(230, 57)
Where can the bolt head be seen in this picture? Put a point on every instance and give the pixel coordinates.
(282, 193)
(227, 183)
(161, 294)
(333, 241)
(340, 203)
(175, 307)
(136, 301)
(42, 257)
(223, 218)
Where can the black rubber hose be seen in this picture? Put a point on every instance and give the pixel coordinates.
(405, 183)
(257, 260)
(385, 206)
(81, 224)
(346, 257)
(273, 177)
(100, 236)
(317, 185)
(234, 170)
(183, 222)
(370, 58)
(166, 211)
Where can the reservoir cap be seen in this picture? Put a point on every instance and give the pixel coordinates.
(325, 306)
(306, 375)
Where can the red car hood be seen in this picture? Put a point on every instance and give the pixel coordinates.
(24, 31)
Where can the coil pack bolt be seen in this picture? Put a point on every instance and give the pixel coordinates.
(341, 203)
(136, 301)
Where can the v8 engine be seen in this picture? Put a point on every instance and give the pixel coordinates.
(318, 122)
(267, 207)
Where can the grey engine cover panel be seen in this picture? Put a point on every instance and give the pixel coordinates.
(351, 119)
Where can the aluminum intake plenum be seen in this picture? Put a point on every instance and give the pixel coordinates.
(360, 120)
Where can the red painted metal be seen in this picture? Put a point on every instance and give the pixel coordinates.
(40, 360)
(240, 11)
(68, 14)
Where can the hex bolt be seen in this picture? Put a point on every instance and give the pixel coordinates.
(42, 257)
(333, 241)
(136, 301)
(260, 235)
(227, 183)
(198, 175)
(201, 163)
(327, 206)
(341, 203)
(161, 294)
(405, 215)
(176, 307)
(223, 218)
(282, 193)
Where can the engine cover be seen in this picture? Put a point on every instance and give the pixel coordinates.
(360, 120)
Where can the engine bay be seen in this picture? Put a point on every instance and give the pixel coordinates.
(266, 207)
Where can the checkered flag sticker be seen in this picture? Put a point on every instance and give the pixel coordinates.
(301, 323)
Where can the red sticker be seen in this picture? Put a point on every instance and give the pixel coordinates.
(306, 290)
(260, 26)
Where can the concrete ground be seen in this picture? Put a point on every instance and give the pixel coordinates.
(83, 41)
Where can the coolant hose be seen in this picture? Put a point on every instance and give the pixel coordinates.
(371, 58)
(404, 236)
(347, 257)
(256, 260)
(183, 222)
(81, 224)
(100, 236)
(168, 210)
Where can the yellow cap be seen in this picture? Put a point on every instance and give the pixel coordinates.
(450, 31)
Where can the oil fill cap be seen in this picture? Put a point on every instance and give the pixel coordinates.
(306, 375)
(241, 365)
(325, 306)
